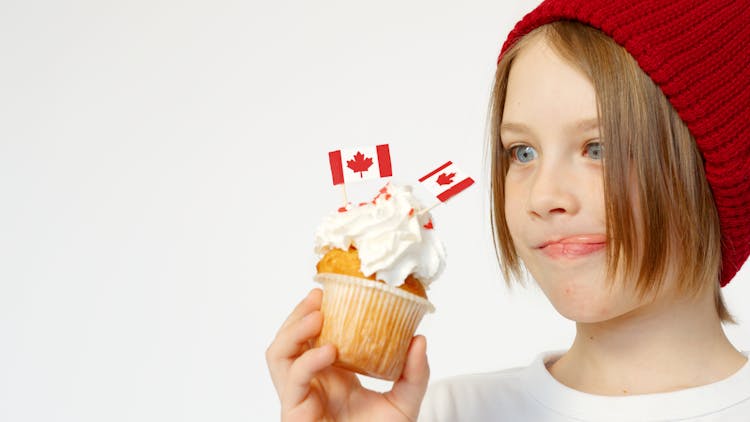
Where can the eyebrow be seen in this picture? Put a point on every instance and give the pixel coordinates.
(587, 124)
(584, 125)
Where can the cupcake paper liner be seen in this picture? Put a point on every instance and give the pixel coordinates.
(370, 323)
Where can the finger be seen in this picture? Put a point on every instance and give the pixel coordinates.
(290, 342)
(302, 372)
(409, 389)
(277, 354)
(293, 339)
(310, 303)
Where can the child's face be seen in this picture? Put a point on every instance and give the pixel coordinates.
(554, 200)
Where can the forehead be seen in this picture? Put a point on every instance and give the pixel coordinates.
(544, 90)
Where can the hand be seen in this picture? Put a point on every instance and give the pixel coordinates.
(311, 389)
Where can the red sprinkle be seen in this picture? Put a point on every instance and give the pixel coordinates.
(411, 212)
(362, 203)
(381, 192)
(428, 226)
(342, 209)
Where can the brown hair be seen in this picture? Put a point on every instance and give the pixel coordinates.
(648, 149)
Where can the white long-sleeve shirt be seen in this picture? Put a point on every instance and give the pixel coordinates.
(532, 394)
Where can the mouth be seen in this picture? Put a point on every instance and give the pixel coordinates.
(572, 247)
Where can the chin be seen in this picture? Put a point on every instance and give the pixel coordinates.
(588, 301)
(583, 315)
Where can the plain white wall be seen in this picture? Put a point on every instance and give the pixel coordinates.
(163, 169)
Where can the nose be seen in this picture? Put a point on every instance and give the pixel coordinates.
(553, 191)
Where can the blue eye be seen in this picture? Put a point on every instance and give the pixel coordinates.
(594, 150)
(522, 153)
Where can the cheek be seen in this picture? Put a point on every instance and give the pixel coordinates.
(593, 195)
(514, 202)
(512, 220)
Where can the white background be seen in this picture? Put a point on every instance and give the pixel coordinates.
(163, 169)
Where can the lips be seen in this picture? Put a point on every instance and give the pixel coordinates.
(574, 246)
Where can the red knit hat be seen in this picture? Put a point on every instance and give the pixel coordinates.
(698, 53)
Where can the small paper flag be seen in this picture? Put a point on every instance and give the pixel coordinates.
(361, 163)
(446, 181)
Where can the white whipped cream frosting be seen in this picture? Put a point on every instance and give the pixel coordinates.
(393, 240)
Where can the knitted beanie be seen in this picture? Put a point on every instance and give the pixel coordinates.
(698, 53)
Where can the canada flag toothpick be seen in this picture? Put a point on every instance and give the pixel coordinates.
(446, 181)
(357, 164)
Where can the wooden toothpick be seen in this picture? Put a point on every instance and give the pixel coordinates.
(343, 190)
(424, 211)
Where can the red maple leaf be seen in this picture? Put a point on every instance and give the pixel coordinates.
(359, 163)
(445, 179)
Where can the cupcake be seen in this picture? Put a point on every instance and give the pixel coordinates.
(377, 260)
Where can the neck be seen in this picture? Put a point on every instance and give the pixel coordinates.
(663, 346)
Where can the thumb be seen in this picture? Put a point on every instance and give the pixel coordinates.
(408, 391)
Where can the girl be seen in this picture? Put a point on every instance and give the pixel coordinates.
(620, 172)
